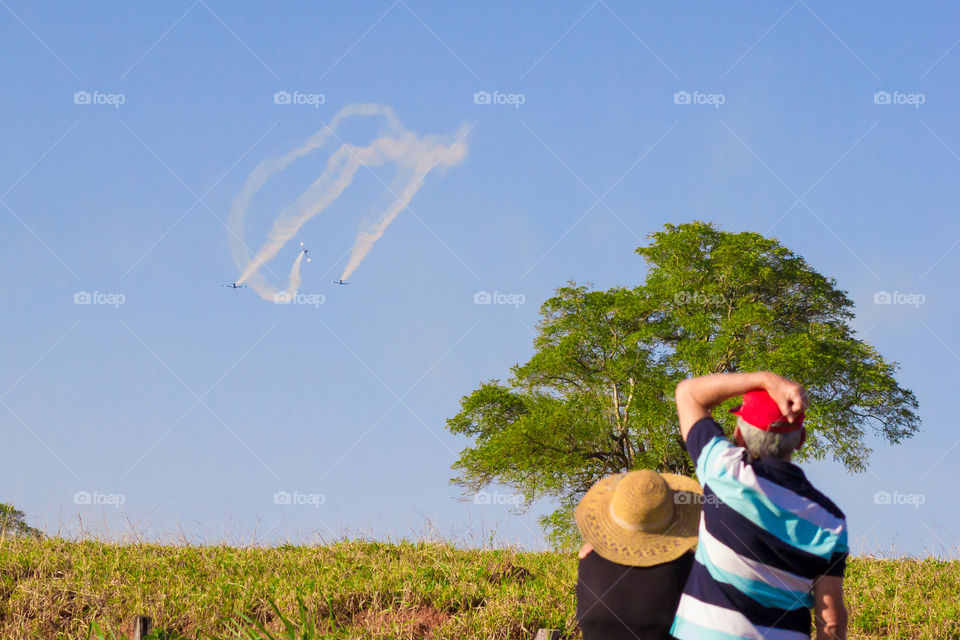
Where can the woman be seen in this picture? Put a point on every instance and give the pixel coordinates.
(639, 530)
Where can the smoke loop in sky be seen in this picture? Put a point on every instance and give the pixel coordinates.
(413, 155)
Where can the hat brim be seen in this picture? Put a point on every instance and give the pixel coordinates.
(640, 548)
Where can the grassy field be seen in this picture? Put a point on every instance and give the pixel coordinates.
(57, 589)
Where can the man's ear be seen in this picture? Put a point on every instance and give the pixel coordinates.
(738, 437)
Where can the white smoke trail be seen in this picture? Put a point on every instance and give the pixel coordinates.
(293, 282)
(414, 156)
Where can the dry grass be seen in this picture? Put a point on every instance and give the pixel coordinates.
(59, 589)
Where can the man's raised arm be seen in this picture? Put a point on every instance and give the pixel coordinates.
(696, 397)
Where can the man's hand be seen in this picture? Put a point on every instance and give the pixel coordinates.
(696, 397)
(790, 396)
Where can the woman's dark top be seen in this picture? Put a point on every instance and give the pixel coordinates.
(618, 602)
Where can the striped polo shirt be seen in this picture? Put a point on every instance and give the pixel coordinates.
(765, 535)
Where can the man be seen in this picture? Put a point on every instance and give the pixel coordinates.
(771, 547)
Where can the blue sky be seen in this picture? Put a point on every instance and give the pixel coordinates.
(194, 404)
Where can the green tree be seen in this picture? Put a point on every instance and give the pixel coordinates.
(13, 522)
(597, 396)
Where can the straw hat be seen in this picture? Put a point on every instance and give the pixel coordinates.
(641, 518)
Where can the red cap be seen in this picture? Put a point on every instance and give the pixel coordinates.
(760, 410)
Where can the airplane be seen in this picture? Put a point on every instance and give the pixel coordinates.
(234, 285)
(340, 282)
(305, 251)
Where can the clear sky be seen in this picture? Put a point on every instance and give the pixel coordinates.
(194, 405)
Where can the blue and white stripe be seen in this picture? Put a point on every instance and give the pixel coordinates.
(797, 521)
(769, 586)
(702, 620)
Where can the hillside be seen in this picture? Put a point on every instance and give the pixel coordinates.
(57, 588)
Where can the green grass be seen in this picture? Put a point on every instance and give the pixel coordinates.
(59, 589)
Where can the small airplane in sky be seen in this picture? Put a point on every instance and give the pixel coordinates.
(305, 251)
(340, 282)
(234, 285)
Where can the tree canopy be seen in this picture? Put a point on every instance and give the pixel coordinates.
(13, 523)
(596, 397)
